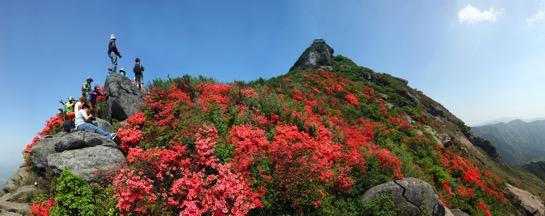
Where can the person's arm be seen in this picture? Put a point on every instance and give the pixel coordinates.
(86, 116)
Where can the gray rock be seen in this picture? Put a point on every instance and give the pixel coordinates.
(124, 98)
(318, 55)
(75, 145)
(80, 139)
(412, 195)
(40, 151)
(531, 203)
(9, 204)
(17, 179)
(89, 162)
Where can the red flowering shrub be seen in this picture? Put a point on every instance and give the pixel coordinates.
(205, 145)
(249, 93)
(484, 207)
(53, 125)
(352, 99)
(446, 187)
(42, 209)
(134, 192)
(136, 120)
(248, 142)
(389, 163)
(297, 95)
(129, 137)
(465, 191)
(399, 122)
(213, 92)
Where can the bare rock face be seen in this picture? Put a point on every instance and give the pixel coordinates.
(412, 196)
(318, 55)
(85, 153)
(124, 98)
(532, 204)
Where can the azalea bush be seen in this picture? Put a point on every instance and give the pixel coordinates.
(309, 142)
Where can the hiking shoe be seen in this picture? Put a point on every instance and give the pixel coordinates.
(114, 135)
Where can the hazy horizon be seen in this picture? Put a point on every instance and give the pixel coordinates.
(482, 60)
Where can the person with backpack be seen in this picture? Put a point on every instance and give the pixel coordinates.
(113, 53)
(83, 117)
(138, 73)
(86, 87)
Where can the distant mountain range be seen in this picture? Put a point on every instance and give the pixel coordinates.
(517, 142)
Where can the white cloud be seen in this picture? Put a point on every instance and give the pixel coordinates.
(470, 15)
(539, 16)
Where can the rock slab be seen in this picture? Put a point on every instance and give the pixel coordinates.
(123, 97)
(413, 196)
(90, 163)
(85, 153)
(532, 204)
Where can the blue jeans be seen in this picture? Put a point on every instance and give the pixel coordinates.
(114, 57)
(93, 128)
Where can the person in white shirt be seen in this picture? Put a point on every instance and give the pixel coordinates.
(82, 117)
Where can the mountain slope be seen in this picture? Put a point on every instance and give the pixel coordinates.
(517, 142)
(309, 142)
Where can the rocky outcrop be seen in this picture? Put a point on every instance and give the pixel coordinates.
(123, 97)
(9, 204)
(318, 55)
(17, 179)
(531, 204)
(85, 153)
(412, 196)
(91, 163)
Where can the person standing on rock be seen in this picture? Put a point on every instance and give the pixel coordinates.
(138, 73)
(113, 53)
(83, 116)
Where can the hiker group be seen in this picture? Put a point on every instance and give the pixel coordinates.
(115, 55)
(80, 114)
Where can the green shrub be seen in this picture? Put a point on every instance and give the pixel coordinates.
(73, 196)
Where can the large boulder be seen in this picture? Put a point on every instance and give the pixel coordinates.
(531, 204)
(124, 98)
(411, 195)
(318, 55)
(81, 139)
(90, 163)
(84, 153)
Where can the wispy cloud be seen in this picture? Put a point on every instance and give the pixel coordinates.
(539, 16)
(470, 15)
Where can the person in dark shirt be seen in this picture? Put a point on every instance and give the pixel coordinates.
(113, 53)
(138, 73)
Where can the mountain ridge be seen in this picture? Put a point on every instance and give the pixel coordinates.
(311, 141)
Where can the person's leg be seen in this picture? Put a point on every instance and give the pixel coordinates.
(93, 128)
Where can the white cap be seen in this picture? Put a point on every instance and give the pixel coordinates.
(112, 36)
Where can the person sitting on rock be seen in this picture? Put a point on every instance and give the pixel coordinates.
(79, 104)
(138, 73)
(82, 118)
(113, 53)
(86, 87)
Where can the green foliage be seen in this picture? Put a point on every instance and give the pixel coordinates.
(105, 202)
(224, 152)
(382, 205)
(73, 196)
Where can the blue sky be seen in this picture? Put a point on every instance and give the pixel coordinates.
(483, 60)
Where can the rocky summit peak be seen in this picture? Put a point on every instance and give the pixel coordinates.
(318, 55)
